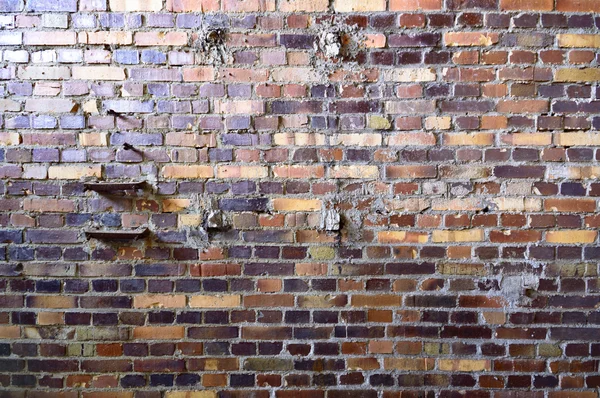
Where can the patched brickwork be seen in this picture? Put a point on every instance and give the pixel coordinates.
(340, 198)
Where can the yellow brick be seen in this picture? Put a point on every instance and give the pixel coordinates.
(471, 235)
(192, 220)
(464, 365)
(106, 37)
(159, 301)
(187, 171)
(438, 123)
(359, 5)
(354, 172)
(406, 75)
(175, 205)
(577, 75)
(135, 5)
(571, 236)
(98, 73)
(282, 204)
(402, 237)
(577, 139)
(534, 139)
(201, 301)
(377, 122)
(242, 172)
(303, 5)
(74, 172)
(579, 41)
(461, 269)
(475, 139)
(414, 364)
(363, 139)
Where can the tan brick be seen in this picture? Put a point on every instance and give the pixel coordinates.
(160, 38)
(44, 73)
(54, 38)
(49, 205)
(471, 235)
(531, 139)
(578, 40)
(577, 139)
(415, 5)
(51, 318)
(10, 139)
(303, 5)
(98, 73)
(159, 301)
(470, 38)
(406, 75)
(402, 237)
(309, 269)
(410, 172)
(10, 332)
(282, 204)
(7, 105)
(74, 172)
(93, 139)
(248, 5)
(411, 139)
(359, 5)
(577, 75)
(354, 172)
(409, 364)
(578, 5)
(410, 107)
(380, 300)
(298, 171)
(242, 171)
(200, 74)
(572, 236)
(438, 123)
(363, 139)
(469, 139)
(135, 5)
(217, 301)
(106, 37)
(175, 205)
(52, 302)
(464, 365)
(159, 332)
(252, 107)
(193, 5)
(187, 171)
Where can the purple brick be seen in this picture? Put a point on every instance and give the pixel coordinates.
(11, 5)
(72, 122)
(52, 236)
(112, 20)
(52, 5)
(155, 20)
(127, 57)
(19, 122)
(45, 155)
(44, 122)
(73, 155)
(154, 57)
(188, 21)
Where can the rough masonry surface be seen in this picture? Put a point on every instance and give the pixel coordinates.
(344, 198)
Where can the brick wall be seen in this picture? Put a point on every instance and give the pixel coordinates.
(345, 198)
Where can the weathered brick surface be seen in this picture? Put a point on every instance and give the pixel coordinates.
(345, 198)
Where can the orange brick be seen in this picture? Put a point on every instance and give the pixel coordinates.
(158, 332)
